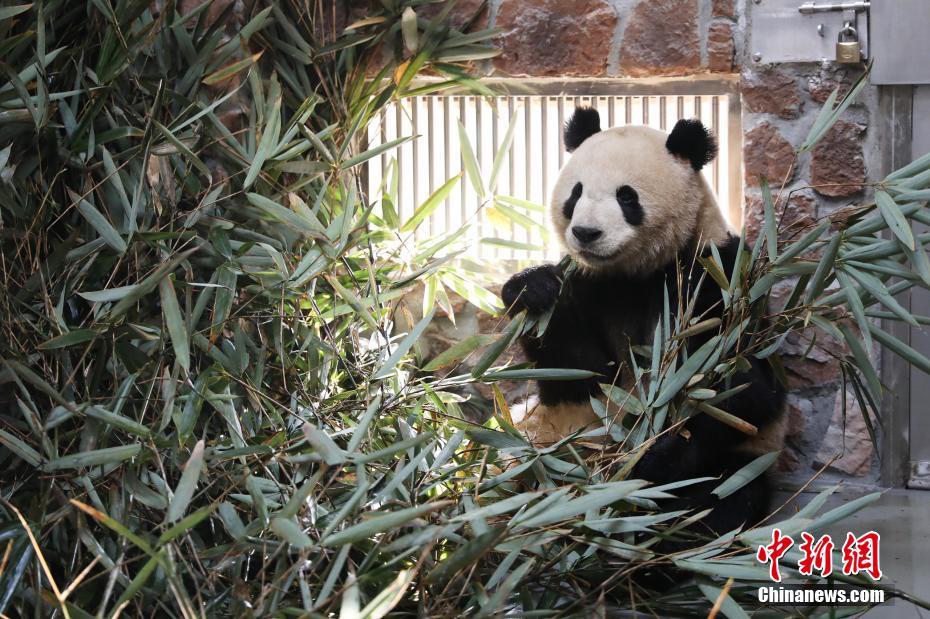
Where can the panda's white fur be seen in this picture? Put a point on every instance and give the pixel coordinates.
(676, 197)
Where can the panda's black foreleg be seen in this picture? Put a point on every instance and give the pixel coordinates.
(535, 290)
(571, 339)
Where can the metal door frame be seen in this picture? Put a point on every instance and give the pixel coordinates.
(895, 130)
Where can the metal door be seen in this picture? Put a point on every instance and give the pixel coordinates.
(919, 418)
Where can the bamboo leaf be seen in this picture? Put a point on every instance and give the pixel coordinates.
(411, 338)
(373, 152)
(824, 269)
(177, 326)
(302, 222)
(379, 523)
(458, 351)
(594, 500)
(728, 606)
(185, 524)
(148, 284)
(321, 442)
(408, 28)
(354, 302)
(802, 244)
(231, 69)
(899, 348)
(100, 223)
(141, 577)
(231, 520)
(7, 12)
(915, 167)
(94, 457)
(877, 289)
(746, 474)
(113, 525)
(502, 151)
(496, 349)
(854, 301)
(430, 204)
(623, 399)
(184, 491)
(470, 162)
(829, 114)
(182, 148)
(674, 383)
(465, 555)
(769, 225)
(499, 242)
(382, 604)
(107, 296)
(20, 449)
(510, 215)
(290, 532)
(895, 219)
(71, 338)
(538, 374)
(843, 511)
(118, 421)
(499, 507)
(268, 144)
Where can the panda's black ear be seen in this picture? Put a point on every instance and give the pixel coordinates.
(692, 141)
(584, 123)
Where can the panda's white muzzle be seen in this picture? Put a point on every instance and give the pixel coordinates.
(597, 231)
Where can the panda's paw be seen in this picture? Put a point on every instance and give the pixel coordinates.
(534, 290)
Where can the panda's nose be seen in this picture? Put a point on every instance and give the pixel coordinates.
(585, 234)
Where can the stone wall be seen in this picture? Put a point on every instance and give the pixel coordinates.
(779, 105)
(609, 38)
(654, 38)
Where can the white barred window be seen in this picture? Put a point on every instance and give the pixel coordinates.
(508, 223)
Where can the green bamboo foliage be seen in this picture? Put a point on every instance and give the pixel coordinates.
(212, 406)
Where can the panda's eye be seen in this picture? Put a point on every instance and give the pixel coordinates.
(569, 207)
(628, 200)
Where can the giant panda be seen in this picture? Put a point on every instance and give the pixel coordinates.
(632, 210)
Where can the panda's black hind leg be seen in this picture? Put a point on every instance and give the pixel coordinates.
(744, 508)
(675, 458)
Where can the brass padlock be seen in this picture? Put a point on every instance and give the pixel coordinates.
(847, 47)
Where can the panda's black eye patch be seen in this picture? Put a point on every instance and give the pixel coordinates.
(628, 200)
(568, 208)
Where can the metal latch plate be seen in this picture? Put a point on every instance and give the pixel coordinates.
(782, 33)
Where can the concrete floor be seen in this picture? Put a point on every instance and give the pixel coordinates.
(902, 518)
